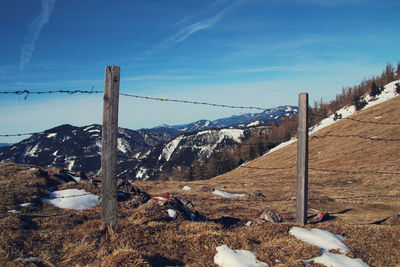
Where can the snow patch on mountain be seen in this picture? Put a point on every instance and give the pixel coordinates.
(141, 174)
(32, 151)
(170, 148)
(235, 134)
(88, 127)
(70, 164)
(122, 145)
(255, 123)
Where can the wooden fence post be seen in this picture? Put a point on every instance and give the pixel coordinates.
(302, 161)
(109, 146)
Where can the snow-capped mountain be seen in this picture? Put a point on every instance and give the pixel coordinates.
(143, 154)
(76, 148)
(183, 151)
(267, 117)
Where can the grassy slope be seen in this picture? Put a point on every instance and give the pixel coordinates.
(147, 237)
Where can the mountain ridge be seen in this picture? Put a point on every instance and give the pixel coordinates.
(140, 153)
(243, 120)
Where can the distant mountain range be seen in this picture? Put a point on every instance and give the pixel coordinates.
(143, 154)
(77, 148)
(240, 121)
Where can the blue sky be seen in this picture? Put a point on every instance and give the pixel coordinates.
(238, 52)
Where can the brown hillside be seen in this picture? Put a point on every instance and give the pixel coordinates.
(348, 172)
(352, 178)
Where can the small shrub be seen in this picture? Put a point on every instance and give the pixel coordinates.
(375, 90)
(360, 103)
(337, 116)
(397, 89)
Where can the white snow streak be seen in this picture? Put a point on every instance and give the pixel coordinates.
(170, 148)
(33, 151)
(72, 199)
(226, 194)
(255, 123)
(327, 241)
(320, 238)
(227, 257)
(172, 213)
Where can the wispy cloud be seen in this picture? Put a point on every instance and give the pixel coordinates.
(34, 30)
(186, 31)
(189, 30)
(182, 21)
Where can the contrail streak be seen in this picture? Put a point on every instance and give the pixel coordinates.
(33, 32)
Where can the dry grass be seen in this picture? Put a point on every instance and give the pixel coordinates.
(146, 236)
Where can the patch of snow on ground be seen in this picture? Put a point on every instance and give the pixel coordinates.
(337, 260)
(51, 135)
(248, 223)
(14, 211)
(172, 213)
(345, 112)
(327, 241)
(387, 93)
(187, 188)
(226, 194)
(281, 145)
(72, 199)
(28, 204)
(320, 238)
(227, 257)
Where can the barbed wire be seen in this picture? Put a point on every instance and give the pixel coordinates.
(366, 196)
(353, 172)
(373, 122)
(19, 134)
(373, 138)
(356, 120)
(191, 102)
(28, 92)
(268, 168)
